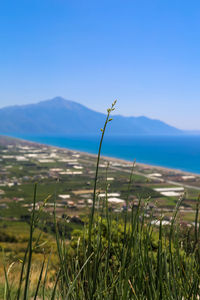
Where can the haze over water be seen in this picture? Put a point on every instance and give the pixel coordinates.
(177, 152)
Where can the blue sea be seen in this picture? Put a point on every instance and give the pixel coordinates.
(177, 152)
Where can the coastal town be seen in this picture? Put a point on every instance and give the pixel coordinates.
(66, 178)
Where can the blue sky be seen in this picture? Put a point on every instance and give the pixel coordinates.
(144, 53)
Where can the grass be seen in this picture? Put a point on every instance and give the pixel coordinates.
(114, 256)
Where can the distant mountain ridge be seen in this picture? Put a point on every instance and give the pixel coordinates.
(60, 117)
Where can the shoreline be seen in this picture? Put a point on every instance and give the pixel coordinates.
(177, 171)
(111, 158)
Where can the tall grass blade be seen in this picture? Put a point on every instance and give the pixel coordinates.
(39, 280)
(22, 272)
(30, 245)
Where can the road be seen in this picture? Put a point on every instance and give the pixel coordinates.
(187, 186)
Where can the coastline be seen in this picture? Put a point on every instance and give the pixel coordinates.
(105, 157)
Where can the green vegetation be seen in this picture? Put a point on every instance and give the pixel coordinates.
(106, 256)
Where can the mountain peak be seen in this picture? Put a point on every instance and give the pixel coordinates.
(57, 101)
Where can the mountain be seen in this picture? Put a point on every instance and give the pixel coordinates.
(58, 117)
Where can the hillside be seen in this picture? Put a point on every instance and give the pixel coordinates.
(63, 117)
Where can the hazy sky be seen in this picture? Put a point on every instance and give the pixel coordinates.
(144, 53)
